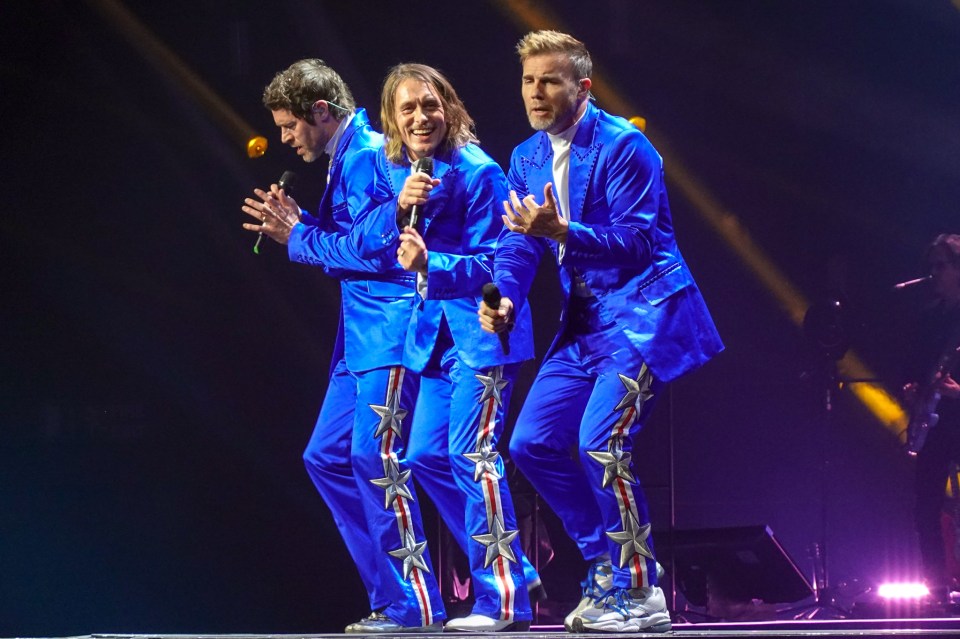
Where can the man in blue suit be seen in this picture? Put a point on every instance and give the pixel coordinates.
(588, 187)
(356, 456)
(466, 375)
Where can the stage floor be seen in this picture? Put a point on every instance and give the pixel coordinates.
(826, 629)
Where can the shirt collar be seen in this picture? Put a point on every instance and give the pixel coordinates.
(331, 147)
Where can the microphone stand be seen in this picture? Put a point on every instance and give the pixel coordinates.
(825, 328)
(824, 598)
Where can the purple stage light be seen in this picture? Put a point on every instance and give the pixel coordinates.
(903, 590)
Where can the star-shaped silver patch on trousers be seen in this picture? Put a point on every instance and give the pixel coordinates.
(391, 415)
(498, 542)
(394, 484)
(632, 540)
(616, 463)
(412, 555)
(492, 385)
(638, 390)
(486, 461)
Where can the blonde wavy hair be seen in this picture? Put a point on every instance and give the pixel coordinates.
(460, 126)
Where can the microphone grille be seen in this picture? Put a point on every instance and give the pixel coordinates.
(491, 295)
(287, 182)
(424, 165)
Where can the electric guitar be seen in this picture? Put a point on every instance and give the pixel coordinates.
(950, 524)
(923, 415)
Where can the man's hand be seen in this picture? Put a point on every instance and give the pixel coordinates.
(909, 392)
(497, 320)
(416, 189)
(949, 387)
(945, 385)
(412, 253)
(276, 212)
(529, 218)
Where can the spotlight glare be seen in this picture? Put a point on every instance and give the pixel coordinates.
(903, 590)
(257, 146)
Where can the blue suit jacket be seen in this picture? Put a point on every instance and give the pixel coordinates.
(376, 293)
(459, 224)
(620, 241)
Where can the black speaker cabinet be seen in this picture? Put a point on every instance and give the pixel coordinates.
(735, 564)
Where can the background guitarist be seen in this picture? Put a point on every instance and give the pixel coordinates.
(938, 338)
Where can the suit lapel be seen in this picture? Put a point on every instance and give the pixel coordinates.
(444, 171)
(583, 160)
(336, 162)
(537, 170)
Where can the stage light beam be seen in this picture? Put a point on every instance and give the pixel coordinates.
(168, 63)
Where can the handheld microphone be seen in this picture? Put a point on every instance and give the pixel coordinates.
(491, 297)
(286, 183)
(903, 285)
(423, 165)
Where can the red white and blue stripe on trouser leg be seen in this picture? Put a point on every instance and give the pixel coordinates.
(487, 473)
(633, 538)
(399, 497)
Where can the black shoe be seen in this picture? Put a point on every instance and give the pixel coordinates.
(378, 623)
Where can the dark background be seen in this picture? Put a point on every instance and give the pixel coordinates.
(159, 381)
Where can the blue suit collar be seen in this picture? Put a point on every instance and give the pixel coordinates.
(583, 160)
(583, 154)
(360, 121)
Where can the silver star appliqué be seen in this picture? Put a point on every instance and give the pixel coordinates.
(616, 463)
(412, 555)
(492, 385)
(638, 390)
(498, 542)
(394, 484)
(632, 540)
(485, 460)
(391, 415)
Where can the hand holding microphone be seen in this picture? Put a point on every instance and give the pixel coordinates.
(276, 212)
(416, 190)
(492, 319)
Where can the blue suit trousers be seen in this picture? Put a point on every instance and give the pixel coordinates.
(459, 420)
(592, 394)
(357, 451)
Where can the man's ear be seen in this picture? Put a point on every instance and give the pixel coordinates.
(321, 110)
(585, 84)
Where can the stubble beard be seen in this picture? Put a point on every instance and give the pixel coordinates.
(540, 123)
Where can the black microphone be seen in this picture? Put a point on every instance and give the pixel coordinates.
(491, 297)
(286, 183)
(423, 165)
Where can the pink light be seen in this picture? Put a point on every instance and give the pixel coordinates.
(903, 590)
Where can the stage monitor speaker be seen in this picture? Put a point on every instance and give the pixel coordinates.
(735, 564)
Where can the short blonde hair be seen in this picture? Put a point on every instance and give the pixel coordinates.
(547, 41)
(460, 126)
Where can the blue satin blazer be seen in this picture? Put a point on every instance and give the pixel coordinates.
(620, 241)
(376, 293)
(459, 224)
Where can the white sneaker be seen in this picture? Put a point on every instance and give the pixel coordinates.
(482, 623)
(623, 610)
(598, 583)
